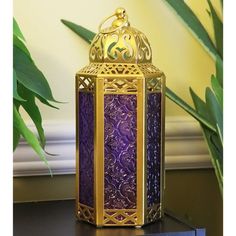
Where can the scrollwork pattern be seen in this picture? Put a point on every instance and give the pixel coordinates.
(126, 45)
(153, 148)
(120, 151)
(96, 50)
(86, 148)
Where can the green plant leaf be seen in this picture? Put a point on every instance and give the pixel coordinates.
(32, 109)
(17, 31)
(16, 138)
(218, 29)
(30, 76)
(219, 71)
(15, 92)
(28, 135)
(45, 102)
(218, 90)
(84, 33)
(194, 25)
(18, 43)
(215, 111)
(208, 12)
(212, 139)
(176, 99)
(201, 106)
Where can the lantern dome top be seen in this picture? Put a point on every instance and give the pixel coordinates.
(120, 43)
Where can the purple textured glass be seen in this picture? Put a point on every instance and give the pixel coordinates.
(120, 124)
(86, 148)
(153, 147)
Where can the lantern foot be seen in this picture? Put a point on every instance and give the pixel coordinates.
(138, 226)
(99, 226)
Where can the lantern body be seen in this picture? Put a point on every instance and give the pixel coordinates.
(120, 132)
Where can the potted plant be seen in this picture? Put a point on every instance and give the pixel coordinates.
(29, 85)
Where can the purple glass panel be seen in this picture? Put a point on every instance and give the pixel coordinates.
(86, 148)
(153, 147)
(120, 151)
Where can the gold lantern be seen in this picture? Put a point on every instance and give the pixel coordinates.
(120, 101)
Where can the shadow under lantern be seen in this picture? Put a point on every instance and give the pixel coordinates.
(120, 100)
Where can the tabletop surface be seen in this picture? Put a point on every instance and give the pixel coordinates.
(58, 218)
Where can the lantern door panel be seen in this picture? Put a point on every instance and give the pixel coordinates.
(120, 154)
(153, 142)
(154, 147)
(85, 148)
(121, 102)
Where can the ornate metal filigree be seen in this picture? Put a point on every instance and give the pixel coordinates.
(120, 85)
(85, 83)
(119, 68)
(154, 84)
(120, 217)
(149, 70)
(91, 69)
(86, 213)
(126, 45)
(153, 213)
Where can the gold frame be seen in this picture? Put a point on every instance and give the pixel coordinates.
(94, 78)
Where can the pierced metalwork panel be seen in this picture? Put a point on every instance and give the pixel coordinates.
(91, 69)
(120, 123)
(120, 68)
(85, 83)
(153, 150)
(153, 213)
(149, 69)
(120, 217)
(125, 45)
(120, 85)
(86, 148)
(86, 213)
(154, 84)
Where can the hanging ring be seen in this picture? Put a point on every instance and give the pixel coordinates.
(122, 19)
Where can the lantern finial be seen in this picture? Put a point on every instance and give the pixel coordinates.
(120, 13)
(122, 18)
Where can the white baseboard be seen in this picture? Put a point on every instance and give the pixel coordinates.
(185, 148)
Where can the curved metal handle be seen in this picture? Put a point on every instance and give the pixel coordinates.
(122, 19)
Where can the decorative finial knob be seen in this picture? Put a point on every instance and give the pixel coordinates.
(120, 13)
